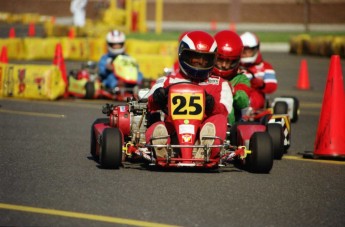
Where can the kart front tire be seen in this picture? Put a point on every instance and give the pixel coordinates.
(276, 132)
(295, 110)
(93, 137)
(280, 108)
(261, 158)
(111, 151)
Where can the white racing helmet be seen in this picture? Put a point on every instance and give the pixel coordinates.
(116, 37)
(250, 41)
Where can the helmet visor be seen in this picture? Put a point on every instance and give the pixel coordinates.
(116, 45)
(249, 52)
(198, 60)
(225, 63)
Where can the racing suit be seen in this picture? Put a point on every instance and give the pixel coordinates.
(261, 70)
(241, 93)
(108, 77)
(215, 86)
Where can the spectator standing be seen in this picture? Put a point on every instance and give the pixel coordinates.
(78, 9)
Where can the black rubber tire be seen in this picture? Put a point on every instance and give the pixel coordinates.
(265, 119)
(90, 90)
(295, 111)
(93, 137)
(111, 152)
(275, 130)
(261, 158)
(280, 107)
(233, 135)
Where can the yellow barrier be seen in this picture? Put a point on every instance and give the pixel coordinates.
(31, 81)
(338, 46)
(298, 44)
(15, 48)
(25, 18)
(40, 48)
(152, 66)
(152, 56)
(75, 49)
(97, 47)
(135, 46)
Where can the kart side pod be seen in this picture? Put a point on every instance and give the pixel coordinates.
(245, 132)
(120, 118)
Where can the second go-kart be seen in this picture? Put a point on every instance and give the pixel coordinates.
(277, 118)
(121, 136)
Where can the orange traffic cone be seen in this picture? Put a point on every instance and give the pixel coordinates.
(303, 77)
(60, 62)
(213, 25)
(31, 30)
(12, 33)
(3, 56)
(330, 137)
(71, 33)
(232, 27)
(52, 20)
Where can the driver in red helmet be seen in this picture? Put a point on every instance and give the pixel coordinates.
(196, 57)
(261, 73)
(176, 66)
(227, 66)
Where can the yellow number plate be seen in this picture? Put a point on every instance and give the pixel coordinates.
(187, 106)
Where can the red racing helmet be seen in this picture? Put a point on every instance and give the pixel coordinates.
(229, 52)
(197, 54)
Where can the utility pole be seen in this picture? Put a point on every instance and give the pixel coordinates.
(306, 15)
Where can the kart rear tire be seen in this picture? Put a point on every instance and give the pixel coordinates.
(89, 90)
(280, 108)
(111, 152)
(233, 134)
(261, 158)
(275, 130)
(93, 137)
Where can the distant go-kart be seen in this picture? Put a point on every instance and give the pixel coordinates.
(85, 82)
(277, 119)
(121, 138)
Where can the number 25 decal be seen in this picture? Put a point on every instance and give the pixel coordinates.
(188, 106)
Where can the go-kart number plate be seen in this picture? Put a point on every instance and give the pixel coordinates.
(126, 68)
(186, 106)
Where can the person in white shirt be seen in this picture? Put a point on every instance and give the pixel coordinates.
(79, 14)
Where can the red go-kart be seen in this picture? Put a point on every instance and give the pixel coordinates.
(277, 119)
(121, 136)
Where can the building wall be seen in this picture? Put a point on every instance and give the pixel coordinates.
(245, 11)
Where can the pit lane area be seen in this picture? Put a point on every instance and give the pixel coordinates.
(45, 165)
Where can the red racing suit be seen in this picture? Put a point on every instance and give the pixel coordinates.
(215, 86)
(264, 71)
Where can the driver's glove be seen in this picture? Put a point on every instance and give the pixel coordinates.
(209, 104)
(160, 97)
(257, 83)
